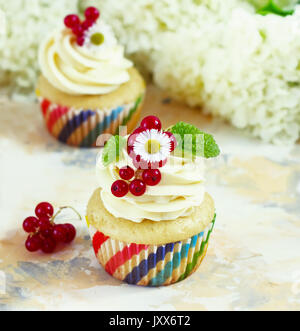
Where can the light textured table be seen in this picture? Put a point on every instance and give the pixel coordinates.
(253, 261)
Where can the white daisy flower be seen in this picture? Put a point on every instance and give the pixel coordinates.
(152, 146)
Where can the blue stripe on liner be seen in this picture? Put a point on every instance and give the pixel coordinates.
(146, 265)
(92, 136)
(73, 124)
(166, 273)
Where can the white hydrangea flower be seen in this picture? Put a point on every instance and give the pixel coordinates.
(27, 23)
(219, 55)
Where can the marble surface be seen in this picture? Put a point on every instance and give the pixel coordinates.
(253, 260)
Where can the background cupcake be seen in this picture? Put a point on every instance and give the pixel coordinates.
(151, 218)
(87, 87)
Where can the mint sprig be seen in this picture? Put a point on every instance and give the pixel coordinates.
(190, 139)
(112, 150)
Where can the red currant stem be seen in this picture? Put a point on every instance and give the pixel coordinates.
(61, 209)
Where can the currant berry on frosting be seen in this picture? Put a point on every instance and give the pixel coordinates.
(152, 177)
(126, 173)
(87, 24)
(151, 122)
(79, 28)
(119, 188)
(92, 14)
(137, 187)
(71, 21)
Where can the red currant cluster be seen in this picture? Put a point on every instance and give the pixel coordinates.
(138, 185)
(79, 28)
(147, 174)
(44, 234)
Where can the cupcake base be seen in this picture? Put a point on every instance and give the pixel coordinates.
(81, 128)
(150, 265)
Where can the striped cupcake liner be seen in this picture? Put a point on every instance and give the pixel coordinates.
(150, 265)
(81, 128)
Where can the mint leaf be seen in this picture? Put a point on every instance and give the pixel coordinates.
(112, 149)
(192, 140)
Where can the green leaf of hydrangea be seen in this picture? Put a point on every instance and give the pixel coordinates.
(277, 7)
(112, 149)
(192, 140)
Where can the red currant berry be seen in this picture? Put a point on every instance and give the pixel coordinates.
(87, 24)
(70, 233)
(48, 245)
(47, 232)
(152, 177)
(92, 13)
(78, 30)
(59, 233)
(71, 21)
(151, 122)
(173, 140)
(34, 243)
(119, 188)
(44, 223)
(80, 40)
(137, 187)
(30, 224)
(44, 209)
(126, 173)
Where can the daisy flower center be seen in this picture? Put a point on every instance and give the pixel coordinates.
(97, 39)
(152, 146)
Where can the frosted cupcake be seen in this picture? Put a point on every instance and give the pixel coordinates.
(87, 86)
(151, 219)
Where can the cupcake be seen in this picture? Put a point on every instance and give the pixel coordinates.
(87, 86)
(151, 218)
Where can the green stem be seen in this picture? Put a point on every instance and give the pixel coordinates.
(61, 209)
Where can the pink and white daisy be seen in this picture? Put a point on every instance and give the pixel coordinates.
(152, 146)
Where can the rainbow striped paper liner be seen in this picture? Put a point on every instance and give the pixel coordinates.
(149, 265)
(80, 127)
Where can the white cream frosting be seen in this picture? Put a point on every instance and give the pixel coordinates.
(87, 69)
(180, 191)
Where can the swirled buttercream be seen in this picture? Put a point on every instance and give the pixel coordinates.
(180, 191)
(87, 69)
